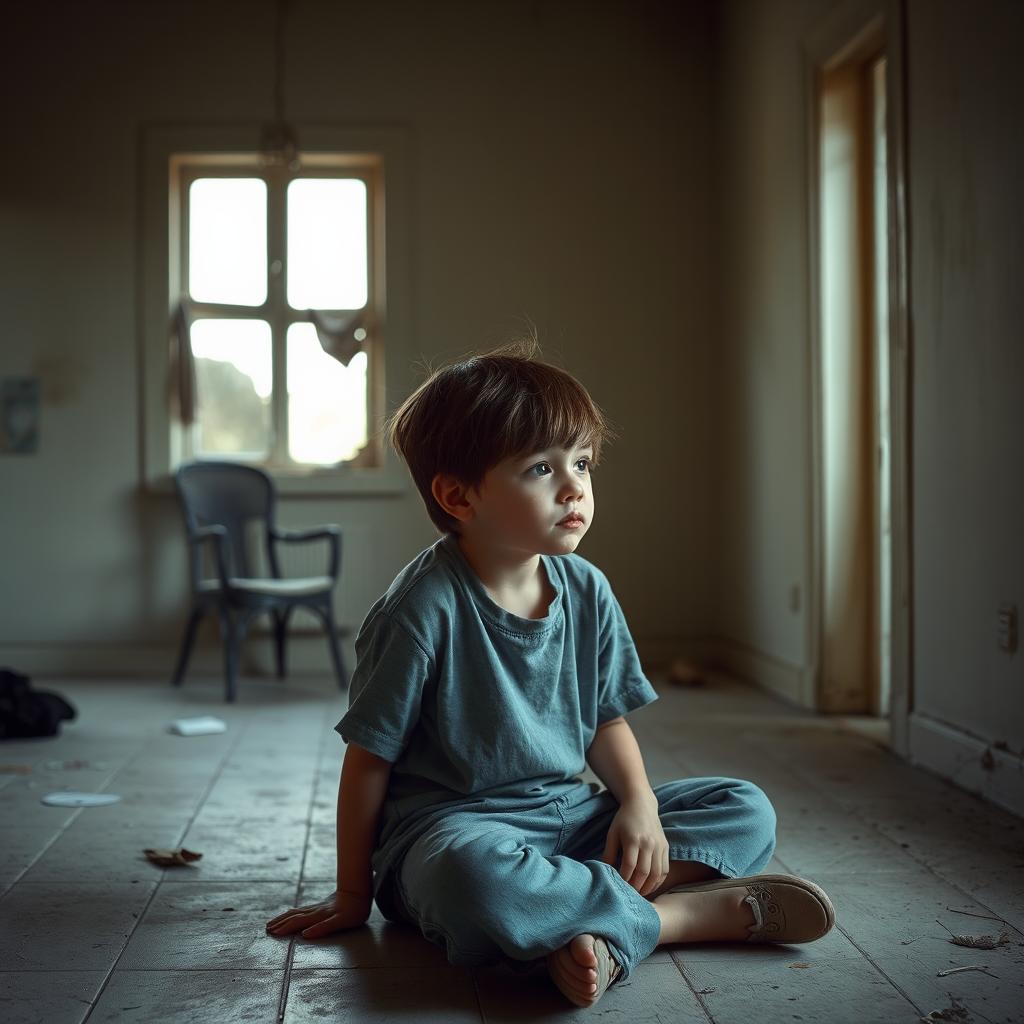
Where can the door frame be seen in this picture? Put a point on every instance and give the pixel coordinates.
(852, 28)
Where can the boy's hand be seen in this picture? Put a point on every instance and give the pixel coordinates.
(339, 911)
(636, 830)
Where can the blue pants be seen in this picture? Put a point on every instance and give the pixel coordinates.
(512, 887)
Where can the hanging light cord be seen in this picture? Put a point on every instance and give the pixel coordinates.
(280, 147)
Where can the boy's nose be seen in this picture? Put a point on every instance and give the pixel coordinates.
(573, 489)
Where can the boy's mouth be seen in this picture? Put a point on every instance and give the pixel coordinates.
(573, 519)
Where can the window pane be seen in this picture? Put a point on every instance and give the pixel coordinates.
(326, 401)
(227, 240)
(327, 243)
(234, 375)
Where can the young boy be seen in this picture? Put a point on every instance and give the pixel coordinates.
(497, 664)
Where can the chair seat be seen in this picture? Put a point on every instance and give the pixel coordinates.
(298, 587)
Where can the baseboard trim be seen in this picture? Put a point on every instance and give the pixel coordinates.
(307, 654)
(785, 680)
(967, 761)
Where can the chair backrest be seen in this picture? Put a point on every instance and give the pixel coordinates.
(228, 494)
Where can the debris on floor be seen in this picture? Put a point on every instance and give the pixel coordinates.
(801, 966)
(79, 799)
(977, 941)
(201, 726)
(957, 1012)
(971, 913)
(15, 769)
(958, 970)
(172, 858)
(685, 673)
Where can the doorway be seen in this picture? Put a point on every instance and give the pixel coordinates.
(853, 368)
(858, 366)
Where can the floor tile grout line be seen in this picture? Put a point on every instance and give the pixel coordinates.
(479, 999)
(163, 872)
(67, 824)
(282, 1002)
(867, 956)
(696, 995)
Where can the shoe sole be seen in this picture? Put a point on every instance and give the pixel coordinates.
(794, 880)
(606, 965)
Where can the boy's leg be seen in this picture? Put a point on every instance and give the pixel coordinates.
(487, 889)
(715, 827)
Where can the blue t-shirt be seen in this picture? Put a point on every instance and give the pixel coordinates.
(477, 708)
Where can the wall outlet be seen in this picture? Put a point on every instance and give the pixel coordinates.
(1008, 627)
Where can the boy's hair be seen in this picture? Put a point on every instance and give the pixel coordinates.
(469, 416)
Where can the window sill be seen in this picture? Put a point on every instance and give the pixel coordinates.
(389, 482)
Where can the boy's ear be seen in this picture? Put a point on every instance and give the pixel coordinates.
(452, 495)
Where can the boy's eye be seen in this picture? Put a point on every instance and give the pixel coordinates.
(543, 468)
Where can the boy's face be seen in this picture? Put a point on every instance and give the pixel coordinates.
(522, 503)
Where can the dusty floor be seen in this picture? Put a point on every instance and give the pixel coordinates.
(90, 930)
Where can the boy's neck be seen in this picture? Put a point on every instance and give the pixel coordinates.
(511, 577)
(498, 567)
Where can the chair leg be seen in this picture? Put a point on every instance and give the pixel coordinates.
(231, 633)
(187, 643)
(326, 612)
(280, 637)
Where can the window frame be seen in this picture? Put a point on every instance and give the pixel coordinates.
(380, 153)
(275, 310)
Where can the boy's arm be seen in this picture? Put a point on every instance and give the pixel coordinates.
(361, 792)
(615, 757)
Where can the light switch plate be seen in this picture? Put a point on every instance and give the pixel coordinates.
(1008, 627)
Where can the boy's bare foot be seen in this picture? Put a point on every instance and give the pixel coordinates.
(716, 916)
(574, 969)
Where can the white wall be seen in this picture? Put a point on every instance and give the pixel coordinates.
(761, 458)
(561, 172)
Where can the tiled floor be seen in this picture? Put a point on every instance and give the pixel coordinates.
(90, 930)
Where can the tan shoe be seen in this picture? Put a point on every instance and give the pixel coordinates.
(786, 908)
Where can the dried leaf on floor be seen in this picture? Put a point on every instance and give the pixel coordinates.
(172, 858)
(977, 941)
(982, 941)
(957, 1012)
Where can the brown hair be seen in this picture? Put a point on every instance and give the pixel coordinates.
(467, 417)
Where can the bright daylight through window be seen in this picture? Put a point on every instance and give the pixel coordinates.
(277, 274)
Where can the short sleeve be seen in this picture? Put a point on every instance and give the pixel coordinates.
(622, 685)
(386, 688)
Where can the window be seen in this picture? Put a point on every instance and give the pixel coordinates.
(275, 272)
(238, 304)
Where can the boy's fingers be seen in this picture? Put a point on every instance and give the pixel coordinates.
(314, 931)
(628, 865)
